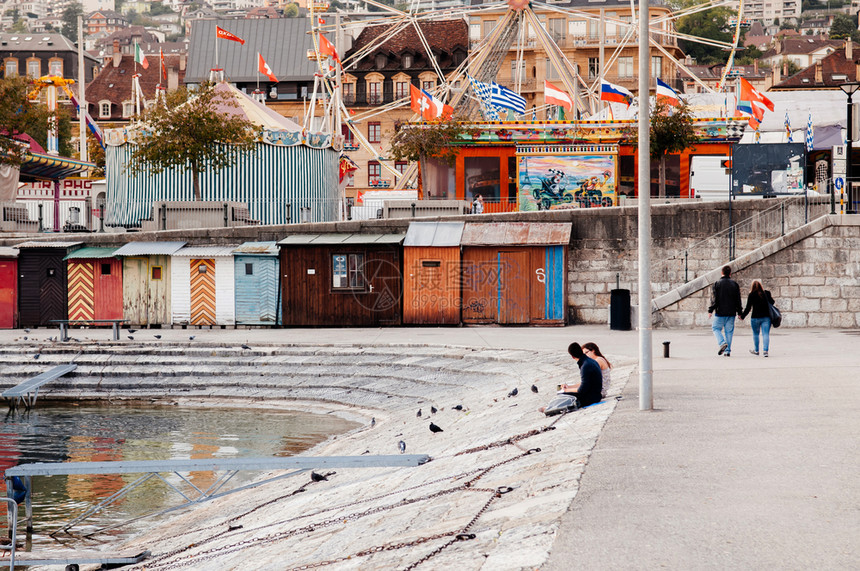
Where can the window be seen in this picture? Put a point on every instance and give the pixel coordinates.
(374, 132)
(105, 269)
(556, 28)
(127, 109)
(381, 60)
(201, 269)
(11, 67)
(522, 67)
(625, 66)
(489, 26)
(401, 89)
(34, 68)
(474, 32)
(401, 166)
(656, 66)
(104, 109)
(551, 72)
(407, 61)
(593, 67)
(348, 136)
(374, 173)
(349, 93)
(428, 85)
(249, 269)
(55, 67)
(156, 273)
(347, 271)
(374, 93)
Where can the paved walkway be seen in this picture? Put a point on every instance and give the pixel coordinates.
(745, 462)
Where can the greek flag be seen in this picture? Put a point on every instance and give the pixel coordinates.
(810, 133)
(484, 93)
(500, 96)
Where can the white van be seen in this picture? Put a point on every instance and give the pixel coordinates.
(709, 179)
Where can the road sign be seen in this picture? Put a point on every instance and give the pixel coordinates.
(838, 182)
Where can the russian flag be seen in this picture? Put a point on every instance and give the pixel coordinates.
(666, 94)
(615, 93)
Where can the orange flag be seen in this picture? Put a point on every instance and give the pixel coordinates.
(225, 35)
(327, 48)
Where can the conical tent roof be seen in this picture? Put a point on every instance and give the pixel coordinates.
(253, 110)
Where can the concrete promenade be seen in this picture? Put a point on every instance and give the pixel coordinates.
(745, 462)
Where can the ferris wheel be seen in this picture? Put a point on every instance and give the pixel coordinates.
(520, 27)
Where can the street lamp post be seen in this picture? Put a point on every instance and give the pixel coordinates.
(850, 88)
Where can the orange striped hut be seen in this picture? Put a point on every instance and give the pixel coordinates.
(95, 284)
(202, 286)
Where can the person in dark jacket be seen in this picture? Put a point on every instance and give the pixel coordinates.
(590, 386)
(725, 304)
(759, 300)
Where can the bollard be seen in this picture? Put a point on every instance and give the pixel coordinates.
(665, 349)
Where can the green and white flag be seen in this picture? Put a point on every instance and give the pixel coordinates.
(139, 56)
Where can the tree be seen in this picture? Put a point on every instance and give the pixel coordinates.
(712, 24)
(672, 131)
(192, 130)
(413, 142)
(70, 20)
(844, 27)
(291, 11)
(21, 116)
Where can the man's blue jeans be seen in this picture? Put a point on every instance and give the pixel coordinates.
(761, 324)
(724, 324)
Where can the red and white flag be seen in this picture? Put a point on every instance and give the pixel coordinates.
(552, 95)
(429, 107)
(327, 48)
(163, 67)
(264, 68)
(225, 35)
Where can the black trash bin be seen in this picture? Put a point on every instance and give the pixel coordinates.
(619, 309)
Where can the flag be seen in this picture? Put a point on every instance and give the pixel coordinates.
(94, 129)
(484, 93)
(346, 166)
(139, 56)
(163, 67)
(615, 93)
(751, 94)
(788, 128)
(223, 34)
(666, 94)
(810, 134)
(757, 134)
(327, 48)
(321, 21)
(427, 106)
(264, 68)
(555, 96)
(504, 97)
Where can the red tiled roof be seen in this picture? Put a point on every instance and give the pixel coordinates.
(442, 36)
(834, 64)
(114, 83)
(802, 46)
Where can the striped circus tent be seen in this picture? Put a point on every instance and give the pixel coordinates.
(290, 176)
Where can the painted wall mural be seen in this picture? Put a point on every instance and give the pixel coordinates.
(551, 177)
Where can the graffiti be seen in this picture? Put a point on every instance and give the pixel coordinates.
(476, 305)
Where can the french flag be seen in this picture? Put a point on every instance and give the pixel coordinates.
(615, 93)
(666, 94)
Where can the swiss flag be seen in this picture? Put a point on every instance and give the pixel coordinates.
(264, 68)
(429, 107)
(327, 48)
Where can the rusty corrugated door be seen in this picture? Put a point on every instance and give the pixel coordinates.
(431, 286)
(479, 285)
(512, 295)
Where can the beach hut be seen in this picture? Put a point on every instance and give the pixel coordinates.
(514, 273)
(341, 280)
(431, 273)
(202, 286)
(256, 274)
(8, 287)
(42, 282)
(95, 284)
(146, 281)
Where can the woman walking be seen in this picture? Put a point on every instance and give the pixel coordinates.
(759, 300)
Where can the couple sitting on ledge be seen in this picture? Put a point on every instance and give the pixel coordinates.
(593, 378)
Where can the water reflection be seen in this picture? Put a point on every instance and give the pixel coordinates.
(100, 434)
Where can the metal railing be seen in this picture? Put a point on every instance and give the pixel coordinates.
(704, 255)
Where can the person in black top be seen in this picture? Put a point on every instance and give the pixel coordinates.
(588, 389)
(726, 303)
(758, 301)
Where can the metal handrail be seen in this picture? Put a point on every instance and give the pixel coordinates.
(13, 527)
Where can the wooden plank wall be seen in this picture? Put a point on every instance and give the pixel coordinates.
(42, 297)
(8, 293)
(431, 292)
(256, 293)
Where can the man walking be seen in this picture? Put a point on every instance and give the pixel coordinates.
(725, 304)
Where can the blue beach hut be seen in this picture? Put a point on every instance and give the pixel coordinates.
(256, 271)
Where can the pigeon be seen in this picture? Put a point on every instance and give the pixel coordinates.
(534, 388)
(26, 330)
(433, 410)
(25, 337)
(514, 392)
(191, 338)
(36, 356)
(157, 336)
(372, 422)
(402, 446)
(365, 452)
(434, 428)
(245, 346)
(130, 337)
(132, 330)
(419, 413)
(458, 407)
(318, 477)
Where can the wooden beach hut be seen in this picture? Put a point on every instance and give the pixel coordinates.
(8, 287)
(146, 282)
(341, 280)
(202, 286)
(256, 275)
(95, 284)
(431, 273)
(42, 282)
(514, 273)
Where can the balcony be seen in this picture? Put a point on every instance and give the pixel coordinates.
(379, 183)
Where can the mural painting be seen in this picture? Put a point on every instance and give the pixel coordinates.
(548, 180)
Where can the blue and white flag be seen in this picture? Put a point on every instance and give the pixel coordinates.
(788, 128)
(484, 93)
(810, 134)
(494, 94)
